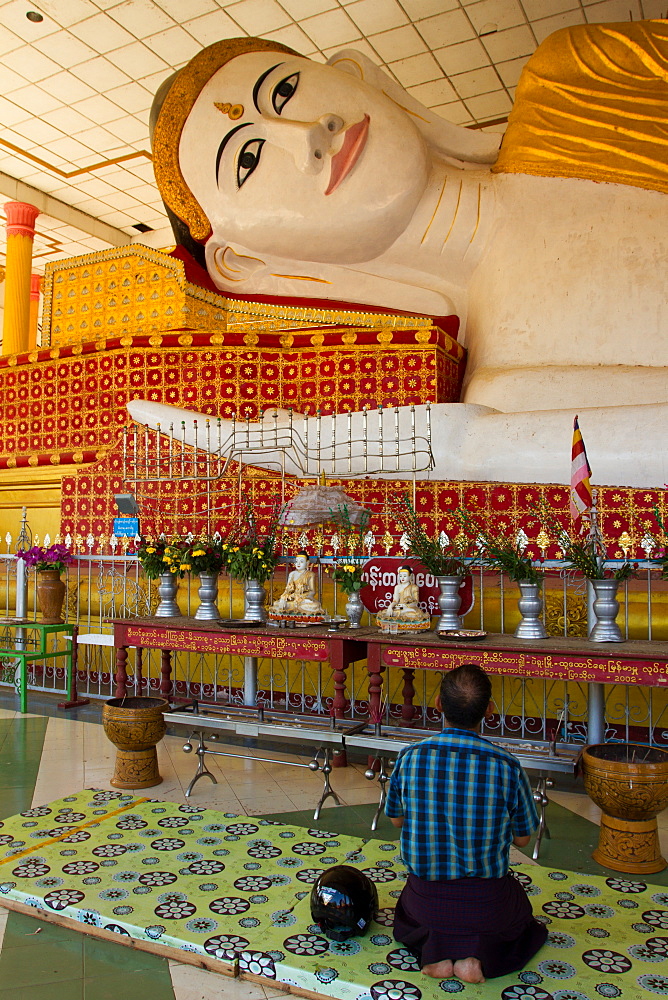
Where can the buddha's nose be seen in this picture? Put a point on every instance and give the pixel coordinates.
(310, 143)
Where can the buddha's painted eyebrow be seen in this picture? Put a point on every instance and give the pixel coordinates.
(258, 83)
(225, 142)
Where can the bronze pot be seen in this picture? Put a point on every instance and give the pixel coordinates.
(629, 783)
(135, 726)
(50, 594)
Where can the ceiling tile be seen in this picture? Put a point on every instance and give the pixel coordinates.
(119, 219)
(211, 27)
(194, 9)
(418, 9)
(9, 80)
(132, 97)
(106, 4)
(38, 130)
(8, 40)
(446, 29)
(454, 112)
(95, 187)
(129, 57)
(175, 46)
(654, 9)
(123, 201)
(433, 93)
(373, 16)
(66, 12)
(100, 74)
(68, 120)
(101, 33)
(548, 25)
(478, 81)
(36, 100)
(98, 110)
(502, 13)
(299, 9)
(12, 114)
(14, 18)
(144, 192)
(152, 82)
(15, 167)
(65, 49)
(97, 139)
(331, 29)
(128, 129)
(489, 105)
(510, 71)
(68, 148)
(612, 10)
(400, 43)
(31, 63)
(535, 9)
(142, 17)
(293, 36)
(462, 57)
(510, 44)
(258, 16)
(67, 87)
(417, 69)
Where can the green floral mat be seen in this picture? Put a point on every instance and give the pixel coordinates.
(236, 888)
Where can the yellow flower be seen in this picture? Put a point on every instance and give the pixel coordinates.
(173, 569)
(166, 558)
(349, 569)
(235, 548)
(224, 547)
(150, 549)
(199, 552)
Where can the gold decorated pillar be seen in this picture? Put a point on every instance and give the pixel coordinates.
(35, 289)
(20, 233)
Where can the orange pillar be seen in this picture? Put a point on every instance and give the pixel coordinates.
(20, 234)
(35, 289)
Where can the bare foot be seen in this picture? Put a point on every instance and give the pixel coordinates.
(469, 970)
(439, 970)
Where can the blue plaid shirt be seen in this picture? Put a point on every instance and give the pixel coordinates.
(463, 800)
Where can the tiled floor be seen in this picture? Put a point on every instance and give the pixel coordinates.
(42, 758)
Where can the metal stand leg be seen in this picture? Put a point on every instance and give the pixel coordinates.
(596, 714)
(328, 791)
(383, 777)
(202, 769)
(542, 800)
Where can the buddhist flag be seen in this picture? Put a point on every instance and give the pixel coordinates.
(581, 498)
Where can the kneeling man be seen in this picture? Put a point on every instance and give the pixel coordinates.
(460, 802)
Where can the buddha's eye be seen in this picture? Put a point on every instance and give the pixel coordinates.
(249, 157)
(284, 91)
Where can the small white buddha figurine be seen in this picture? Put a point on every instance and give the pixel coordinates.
(298, 600)
(404, 608)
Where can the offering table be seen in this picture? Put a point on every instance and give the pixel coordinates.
(594, 663)
(316, 643)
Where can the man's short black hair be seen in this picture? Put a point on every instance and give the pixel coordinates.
(465, 694)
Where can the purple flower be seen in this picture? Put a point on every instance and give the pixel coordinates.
(55, 557)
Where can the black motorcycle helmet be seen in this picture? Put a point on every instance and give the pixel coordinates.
(344, 901)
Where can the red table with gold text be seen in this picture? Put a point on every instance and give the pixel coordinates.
(593, 663)
(338, 649)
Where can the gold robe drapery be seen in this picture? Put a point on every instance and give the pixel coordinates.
(592, 102)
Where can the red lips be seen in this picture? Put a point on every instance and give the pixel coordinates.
(354, 141)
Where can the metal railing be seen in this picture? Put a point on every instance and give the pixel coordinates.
(111, 585)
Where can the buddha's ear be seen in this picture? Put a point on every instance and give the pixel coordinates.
(464, 147)
(224, 264)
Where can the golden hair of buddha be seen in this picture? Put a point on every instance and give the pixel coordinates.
(185, 88)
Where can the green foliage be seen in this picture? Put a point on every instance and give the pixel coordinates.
(348, 575)
(248, 553)
(498, 551)
(203, 555)
(451, 560)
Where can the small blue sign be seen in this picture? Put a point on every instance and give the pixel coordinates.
(128, 526)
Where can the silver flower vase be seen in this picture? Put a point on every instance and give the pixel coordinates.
(531, 609)
(606, 608)
(449, 603)
(354, 609)
(208, 595)
(254, 597)
(167, 607)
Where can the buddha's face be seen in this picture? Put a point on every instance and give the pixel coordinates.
(301, 160)
(301, 563)
(404, 576)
